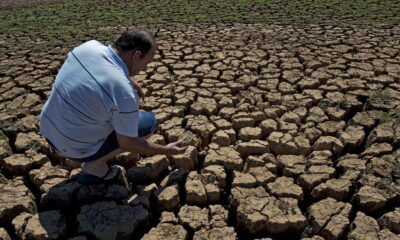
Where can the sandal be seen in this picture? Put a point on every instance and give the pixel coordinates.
(111, 174)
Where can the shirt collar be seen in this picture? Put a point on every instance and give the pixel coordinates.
(118, 60)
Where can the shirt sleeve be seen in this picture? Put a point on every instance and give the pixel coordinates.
(125, 118)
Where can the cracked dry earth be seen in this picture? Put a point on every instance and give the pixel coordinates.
(294, 134)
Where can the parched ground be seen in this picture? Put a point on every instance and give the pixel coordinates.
(295, 134)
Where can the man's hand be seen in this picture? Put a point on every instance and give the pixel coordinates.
(176, 148)
(138, 88)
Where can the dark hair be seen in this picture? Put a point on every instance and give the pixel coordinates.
(135, 39)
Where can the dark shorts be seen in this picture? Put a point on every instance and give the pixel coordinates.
(147, 126)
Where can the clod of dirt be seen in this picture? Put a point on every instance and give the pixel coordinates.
(224, 156)
(4, 235)
(148, 169)
(187, 160)
(365, 227)
(167, 198)
(45, 225)
(338, 189)
(329, 218)
(166, 231)
(107, 220)
(15, 199)
(391, 221)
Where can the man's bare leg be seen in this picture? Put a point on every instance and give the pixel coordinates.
(99, 167)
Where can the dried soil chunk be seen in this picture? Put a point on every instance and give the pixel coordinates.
(18, 164)
(248, 133)
(363, 227)
(221, 138)
(268, 126)
(60, 195)
(338, 189)
(331, 127)
(243, 180)
(31, 140)
(239, 123)
(377, 149)
(281, 143)
(15, 198)
(270, 215)
(329, 218)
(175, 177)
(201, 126)
(328, 143)
(4, 235)
(391, 221)
(168, 217)
(370, 199)
(285, 187)
(166, 231)
(254, 147)
(383, 133)
(352, 138)
(291, 165)
(262, 175)
(224, 156)
(148, 168)
(107, 220)
(310, 180)
(5, 149)
(365, 119)
(193, 217)
(213, 193)
(46, 173)
(224, 233)
(195, 190)
(219, 173)
(46, 225)
(386, 234)
(218, 216)
(186, 160)
(101, 192)
(167, 198)
(206, 106)
(351, 162)
(239, 195)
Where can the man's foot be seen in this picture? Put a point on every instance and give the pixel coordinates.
(86, 178)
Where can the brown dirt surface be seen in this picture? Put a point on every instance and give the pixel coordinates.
(294, 134)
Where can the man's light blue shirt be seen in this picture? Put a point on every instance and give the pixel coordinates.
(91, 97)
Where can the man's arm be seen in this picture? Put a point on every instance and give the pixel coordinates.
(141, 146)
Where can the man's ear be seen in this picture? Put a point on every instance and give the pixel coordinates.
(136, 54)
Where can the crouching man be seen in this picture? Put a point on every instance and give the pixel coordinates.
(93, 114)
